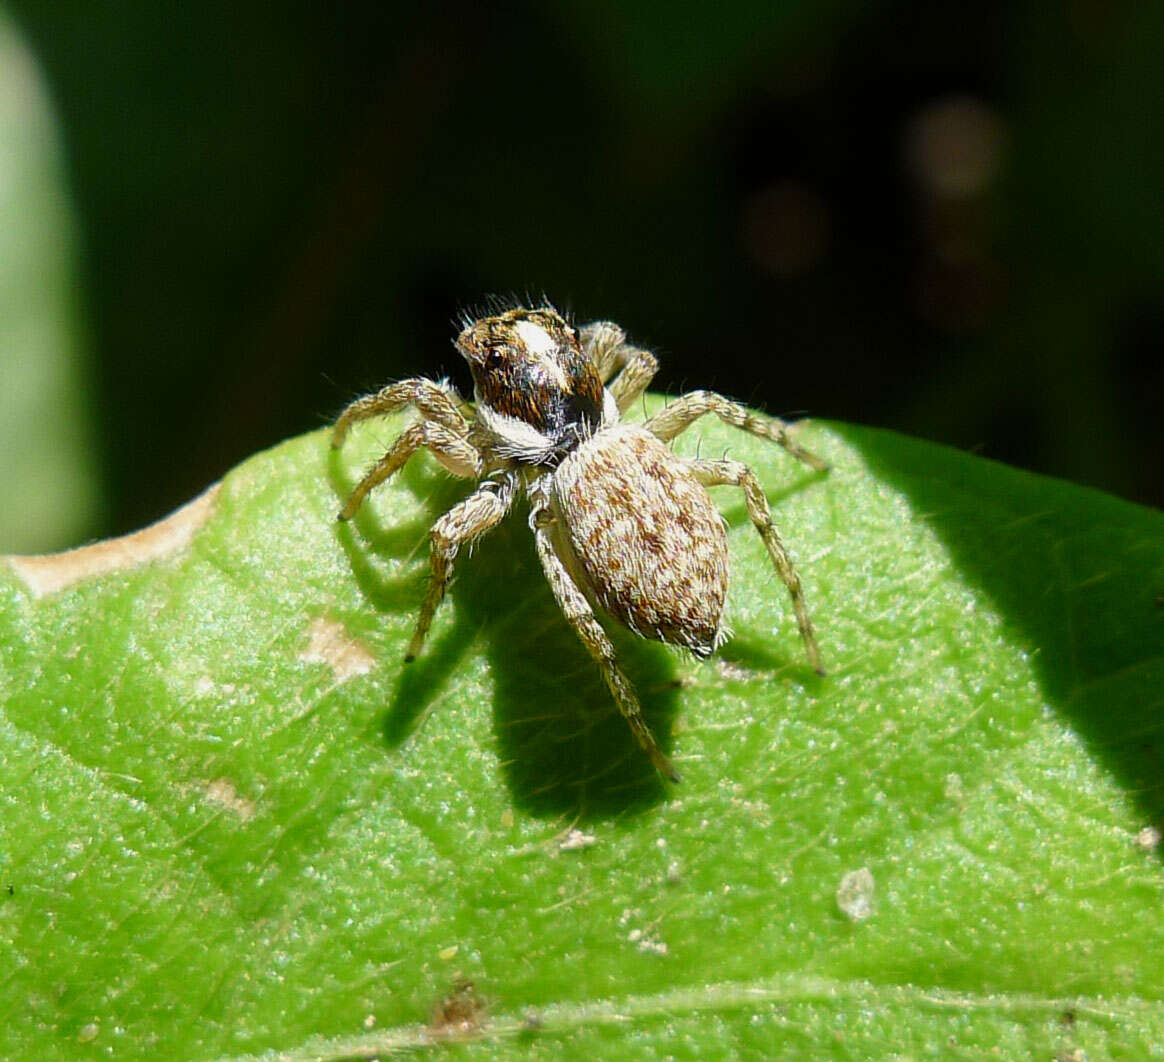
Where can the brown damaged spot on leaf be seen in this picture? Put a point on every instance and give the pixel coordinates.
(50, 572)
(458, 1015)
(328, 642)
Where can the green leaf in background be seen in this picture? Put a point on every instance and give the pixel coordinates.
(233, 822)
(47, 480)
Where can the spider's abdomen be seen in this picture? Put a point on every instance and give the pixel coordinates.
(646, 537)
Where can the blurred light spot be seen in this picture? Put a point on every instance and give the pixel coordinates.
(786, 228)
(953, 151)
(954, 147)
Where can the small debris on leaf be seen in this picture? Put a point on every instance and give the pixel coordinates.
(855, 894)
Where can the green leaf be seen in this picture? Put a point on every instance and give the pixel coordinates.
(232, 821)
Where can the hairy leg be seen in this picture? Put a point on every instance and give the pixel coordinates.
(606, 343)
(581, 618)
(482, 511)
(688, 408)
(435, 403)
(456, 453)
(735, 473)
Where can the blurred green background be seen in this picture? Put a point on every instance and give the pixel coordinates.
(220, 222)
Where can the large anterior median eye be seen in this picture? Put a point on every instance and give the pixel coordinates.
(494, 359)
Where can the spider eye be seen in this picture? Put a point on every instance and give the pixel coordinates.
(493, 358)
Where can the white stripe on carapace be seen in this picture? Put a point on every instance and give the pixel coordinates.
(540, 345)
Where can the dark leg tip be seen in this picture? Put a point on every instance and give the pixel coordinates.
(409, 657)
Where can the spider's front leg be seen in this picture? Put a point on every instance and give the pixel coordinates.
(736, 473)
(456, 453)
(437, 404)
(686, 409)
(605, 343)
(581, 618)
(482, 511)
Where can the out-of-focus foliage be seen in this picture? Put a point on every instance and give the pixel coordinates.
(936, 217)
(48, 489)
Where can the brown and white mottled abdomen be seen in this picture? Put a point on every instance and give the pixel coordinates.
(645, 536)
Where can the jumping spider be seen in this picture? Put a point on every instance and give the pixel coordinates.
(618, 519)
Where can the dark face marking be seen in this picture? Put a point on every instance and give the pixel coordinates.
(528, 365)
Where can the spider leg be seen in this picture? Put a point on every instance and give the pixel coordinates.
(482, 511)
(606, 344)
(581, 618)
(736, 473)
(436, 404)
(457, 454)
(686, 409)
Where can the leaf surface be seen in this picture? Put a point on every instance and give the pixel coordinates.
(234, 822)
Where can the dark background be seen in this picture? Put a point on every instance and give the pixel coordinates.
(940, 218)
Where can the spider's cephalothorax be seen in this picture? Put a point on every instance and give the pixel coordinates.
(619, 521)
(536, 390)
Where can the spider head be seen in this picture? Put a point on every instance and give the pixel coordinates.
(535, 388)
